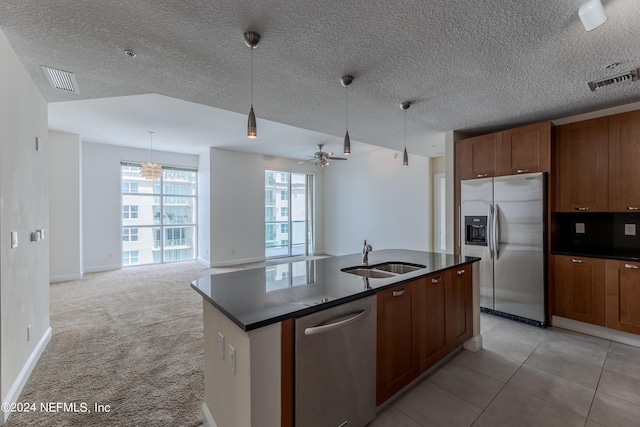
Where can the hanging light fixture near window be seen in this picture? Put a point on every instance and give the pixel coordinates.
(251, 39)
(405, 158)
(151, 171)
(346, 81)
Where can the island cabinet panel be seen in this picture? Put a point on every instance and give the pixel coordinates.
(459, 306)
(624, 162)
(526, 149)
(583, 166)
(429, 302)
(396, 359)
(482, 156)
(622, 280)
(579, 288)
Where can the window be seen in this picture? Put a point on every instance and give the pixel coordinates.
(129, 257)
(288, 218)
(129, 234)
(129, 187)
(129, 212)
(159, 217)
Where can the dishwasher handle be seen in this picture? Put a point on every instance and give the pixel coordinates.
(337, 325)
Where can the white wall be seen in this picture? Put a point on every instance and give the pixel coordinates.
(237, 204)
(65, 213)
(204, 208)
(101, 199)
(371, 196)
(24, 207)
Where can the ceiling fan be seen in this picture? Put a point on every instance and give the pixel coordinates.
(322, 157)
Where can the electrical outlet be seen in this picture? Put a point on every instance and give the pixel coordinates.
(629, 229)
(221, 345)
(14, 239)
(580, 228)
(232, 359)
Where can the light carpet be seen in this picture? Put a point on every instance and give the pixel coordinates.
(131, 339)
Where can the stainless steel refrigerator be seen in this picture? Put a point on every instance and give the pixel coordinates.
(503, 223)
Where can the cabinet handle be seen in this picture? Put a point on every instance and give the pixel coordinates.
(578, 261)
(460, 272)
(631, 266)
(522, 170)
(583, 208)
(482, 175)
(436, 280)
(633, 208)
(398, 293)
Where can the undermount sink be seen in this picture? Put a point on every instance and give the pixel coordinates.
(383, 270)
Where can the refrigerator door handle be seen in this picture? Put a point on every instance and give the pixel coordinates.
(489, 237)
(496, 230)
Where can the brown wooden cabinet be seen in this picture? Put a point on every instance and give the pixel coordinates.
(397, 363)
(624, 162)
(579, 288)
(459, 306)
(622, 279)
(526, 149)
(430, 320)
(583, 166)
(481, 156)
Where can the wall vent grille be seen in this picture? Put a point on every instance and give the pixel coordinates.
(624, 77)
(61, 80)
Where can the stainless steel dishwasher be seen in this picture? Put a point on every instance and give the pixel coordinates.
(335, 366)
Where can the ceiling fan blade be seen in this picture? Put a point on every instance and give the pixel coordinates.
(336, 158)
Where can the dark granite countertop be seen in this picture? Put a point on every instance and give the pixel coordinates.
(622, 254)
(253, 298)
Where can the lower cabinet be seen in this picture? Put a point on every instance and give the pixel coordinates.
(579, 288)
(419, 323)
(622, 295)
(396, 363)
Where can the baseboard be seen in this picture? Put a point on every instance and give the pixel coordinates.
(473, 344)
(232, 262)
(596, 331)
(14, 392)
(207, 418)
(64, 277)
(204, 261)
(103, 268)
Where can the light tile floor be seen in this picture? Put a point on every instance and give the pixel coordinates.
(526, 376)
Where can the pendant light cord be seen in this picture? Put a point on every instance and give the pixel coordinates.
(405, 129)
(346, 108)
(251, 76)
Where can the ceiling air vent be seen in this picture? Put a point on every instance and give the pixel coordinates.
(61, 80)
(624, 77)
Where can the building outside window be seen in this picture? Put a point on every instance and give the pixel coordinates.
(159, 218)
(292, 232)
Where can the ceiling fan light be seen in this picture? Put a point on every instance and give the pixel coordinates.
(592, 14)
(405, 159)
(252, 130)
(347, 144)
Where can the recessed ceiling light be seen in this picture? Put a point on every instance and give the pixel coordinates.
(130, 53)
(612, 65)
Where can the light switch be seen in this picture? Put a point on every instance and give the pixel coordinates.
(221, 345)
(580, 228)
(629, 229)
(14, 239)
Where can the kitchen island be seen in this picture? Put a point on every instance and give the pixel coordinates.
(249, 320)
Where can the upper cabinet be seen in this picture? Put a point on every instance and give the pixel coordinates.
(526, 149)
(582, 166)
(482, 156)
(624, 162)
(521, 150)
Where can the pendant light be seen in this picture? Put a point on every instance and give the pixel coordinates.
(405, 158)
(346, 81)
(151, 171)
(251, 39)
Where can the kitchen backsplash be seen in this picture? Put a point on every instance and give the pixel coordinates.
(600, 232)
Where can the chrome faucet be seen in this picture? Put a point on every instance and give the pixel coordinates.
(365, 253)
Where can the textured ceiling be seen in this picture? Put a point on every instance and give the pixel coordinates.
(471, 65)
